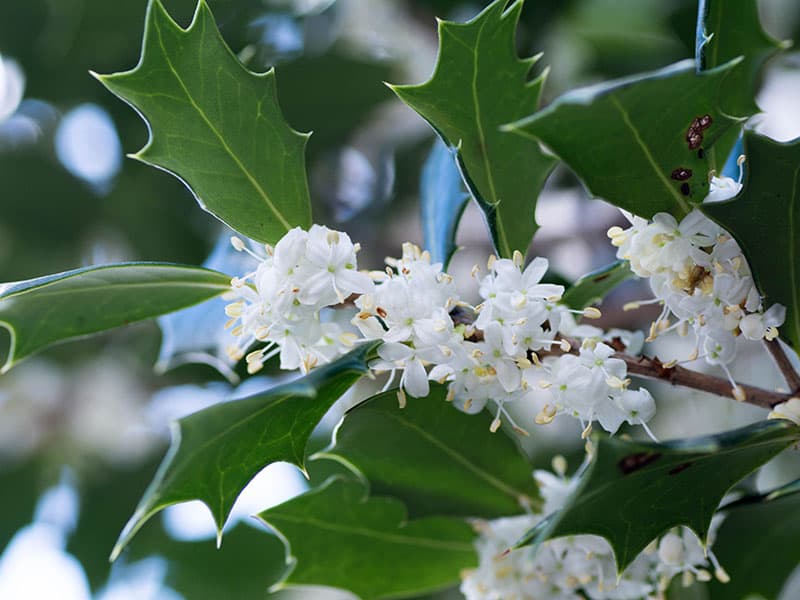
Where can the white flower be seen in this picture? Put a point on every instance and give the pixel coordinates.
(789, 410)
(757, 326)
(722, 188)
(298, 279)
(330, 274)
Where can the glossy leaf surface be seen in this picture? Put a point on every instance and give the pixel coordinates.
(632, 492)
(434, 458)
(339, 538)
(215, 452)
(216, 126)
(47, 310)
(479, 83)
(627, 139)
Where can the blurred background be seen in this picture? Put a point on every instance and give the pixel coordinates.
(83, 426)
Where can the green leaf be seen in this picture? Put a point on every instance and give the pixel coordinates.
(626, 138)
(479, 83)
(593, 287)
(727, 29)
(436, 459)
(632, 492)
(764, 219)
(215, 452)
(337, 537)
(757, 545)
(47, 310)
(216, 126)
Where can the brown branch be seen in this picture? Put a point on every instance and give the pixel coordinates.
(784, 365)
(653, 368)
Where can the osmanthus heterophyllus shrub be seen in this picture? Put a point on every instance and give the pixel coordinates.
(442, 492)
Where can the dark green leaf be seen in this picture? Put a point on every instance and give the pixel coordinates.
(43, 311)
(763, 219)
(339, 538)
(632, 492)
(479, 84)
(593, 287)
(442, 199)
(217, 126)
(626, 138)
(757, 545)
(727, 29)
(215, 452)
(436, 459)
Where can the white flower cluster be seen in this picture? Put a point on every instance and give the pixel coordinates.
(411, 307)
(580, 566)
(699, 274)
(495, 358)
(281, 303)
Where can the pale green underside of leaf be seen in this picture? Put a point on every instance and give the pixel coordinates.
(625, 138)
(765, 220)
(632, 492)
(47, 310)
(434, 458)
(337, 537)
(215, 452)
(479, 83)
(217, 126)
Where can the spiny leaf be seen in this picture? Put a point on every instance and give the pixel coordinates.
(757, 545)
(216, 126)
(632, 492)
(215, 452)
(727, 29)
(593, 287)
(764, 219)
(479, 83)
(442, 199)
(627, 139)
(437, 460)
(336, 537)
(47, 310)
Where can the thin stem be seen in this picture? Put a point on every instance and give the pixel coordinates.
(653, 368)
(784, 365)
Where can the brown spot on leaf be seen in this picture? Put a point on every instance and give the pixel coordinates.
(685, 189)
(639, 460)
(679, 468)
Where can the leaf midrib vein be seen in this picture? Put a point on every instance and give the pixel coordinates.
(506, 489)
(646, 151)
(374, 534)
(264, 196)
(501, 232)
